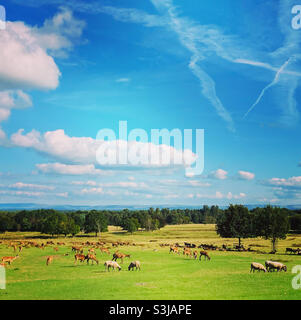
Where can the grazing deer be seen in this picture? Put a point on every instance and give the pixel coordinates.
(205, 254)
(56, 249)
(174, 250)
(92, 251)
(91, 257)
(195, 254)
(49, 260)
(105, 250)
(79, 257)
(119, 255)
(187, 252)
(9, 259)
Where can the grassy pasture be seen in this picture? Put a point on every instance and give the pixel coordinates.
(162, 276)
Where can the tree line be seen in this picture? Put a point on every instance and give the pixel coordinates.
(236, 221)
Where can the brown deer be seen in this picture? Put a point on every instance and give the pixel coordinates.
(119, 255)
(205, 254)
(187, 252)
(49, 260)
(92, 251)
(195, 254)
(91, 257)
(79, 257)
(9, 259)
(174, 250)
(105, 250)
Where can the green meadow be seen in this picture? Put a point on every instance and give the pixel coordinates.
(163, 275)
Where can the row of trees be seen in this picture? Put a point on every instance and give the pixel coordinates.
(238, 222)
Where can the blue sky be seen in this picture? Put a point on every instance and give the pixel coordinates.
(69, 69)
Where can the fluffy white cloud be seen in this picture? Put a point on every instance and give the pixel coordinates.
(23, 62)
(245, 175)
(84, 150)
(290, 182)
(61, 168)
(219, 174)
(26, 59)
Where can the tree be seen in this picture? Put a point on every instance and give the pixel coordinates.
(295, 223)
(95, 222)
(131, 224)
(234, 222)
(271, 223)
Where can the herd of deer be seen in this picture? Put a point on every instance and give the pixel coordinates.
(187, 252)
(77, 249)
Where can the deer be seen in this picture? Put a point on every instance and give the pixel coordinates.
(49, 260)
(119, 255)
(106, 250)
(91, 257)
(79, 257)
(9, 259)
(205, 254)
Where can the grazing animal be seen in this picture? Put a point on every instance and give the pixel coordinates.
(112, 264)
(121, 256)
(91, 250)
(56, 249)
(174, 250)
(195, 254)
(9, 259)
(273, 265)
(205, 254)
(291, 250)
(257, 266)
(79, 257)
(134, 264)
(2, 265)
(91, 257)
(105, 250)
(49, 260)
(187, 252)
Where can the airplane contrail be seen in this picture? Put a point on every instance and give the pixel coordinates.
(276, 78)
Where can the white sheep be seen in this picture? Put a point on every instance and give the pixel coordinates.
(134, 264)
(257, 266)
(112, 264)
(272, 265)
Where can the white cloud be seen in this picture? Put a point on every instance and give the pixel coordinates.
(60, 168)
(26, 60)
(219, 195)
(22, 193)
(245, 175)
(219, 174)
(84, 183)
(21, 185)
(23, 62)
(92, 191)
(84, 149)
(290, 182)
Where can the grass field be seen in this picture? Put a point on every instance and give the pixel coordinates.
(162, 276)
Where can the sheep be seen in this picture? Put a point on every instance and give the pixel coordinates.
(257, 266)
(134, 264)
(272, 265)
(112, 264)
